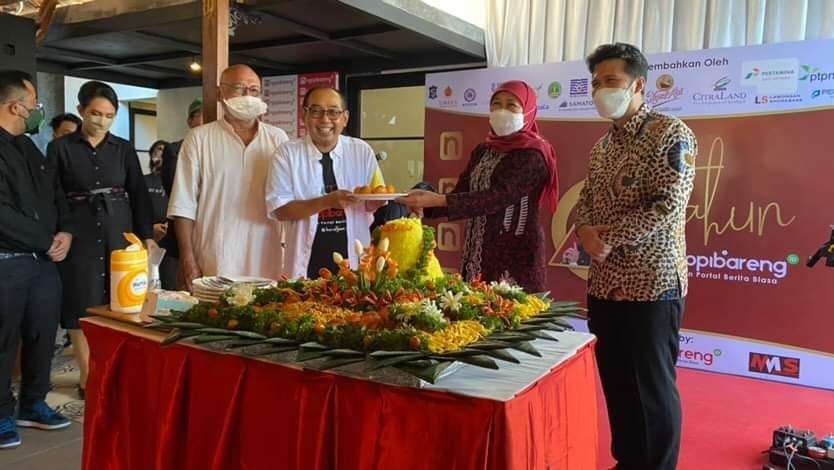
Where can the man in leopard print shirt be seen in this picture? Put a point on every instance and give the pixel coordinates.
(631, 217)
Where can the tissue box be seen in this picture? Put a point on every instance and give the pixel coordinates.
(163, 302)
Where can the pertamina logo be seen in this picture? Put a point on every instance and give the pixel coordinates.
(774, 365)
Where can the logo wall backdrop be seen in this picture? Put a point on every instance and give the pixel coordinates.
(764, 119)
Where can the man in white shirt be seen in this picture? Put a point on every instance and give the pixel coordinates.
(310, 183)
(218, 198)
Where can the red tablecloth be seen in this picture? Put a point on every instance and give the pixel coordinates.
(183, 407)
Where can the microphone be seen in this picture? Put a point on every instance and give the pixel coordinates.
(381, 156)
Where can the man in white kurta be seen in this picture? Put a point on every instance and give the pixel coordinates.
(218, 199)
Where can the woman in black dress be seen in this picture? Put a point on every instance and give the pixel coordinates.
(104, 184)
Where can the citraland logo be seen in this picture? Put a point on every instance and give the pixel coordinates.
(774, 365)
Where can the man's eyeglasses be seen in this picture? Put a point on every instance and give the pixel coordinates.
(318, 113)
(242, 90)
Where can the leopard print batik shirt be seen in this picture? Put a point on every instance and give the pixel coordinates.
(639, 181)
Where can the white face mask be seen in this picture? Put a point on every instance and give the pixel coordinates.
(245, 108)
(505, 122)
(98, 125)
(612, 103)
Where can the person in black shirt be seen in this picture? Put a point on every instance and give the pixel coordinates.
(159, 197)
(35, 232)
(170, 264)
(108, 197)
(64, 124)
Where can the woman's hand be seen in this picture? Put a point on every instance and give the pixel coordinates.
(419, 199)
(159, 231)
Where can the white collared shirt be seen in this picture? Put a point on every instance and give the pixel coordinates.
(219, 184)
(296, 175)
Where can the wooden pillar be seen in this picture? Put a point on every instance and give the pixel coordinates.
(215, 54)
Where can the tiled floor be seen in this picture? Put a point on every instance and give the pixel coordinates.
(53, 450)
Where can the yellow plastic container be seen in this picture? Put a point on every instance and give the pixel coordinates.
(128, 276)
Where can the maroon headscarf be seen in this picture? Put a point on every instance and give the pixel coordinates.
(528, 138)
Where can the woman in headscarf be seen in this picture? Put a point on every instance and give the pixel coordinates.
(509, 178)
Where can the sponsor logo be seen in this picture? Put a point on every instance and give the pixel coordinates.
(665, 82)
(469, 95)
(749, 270)
(822, 93)
(721, 84)
(813, 74)
(578, 87)
(721, 97)
(690, 64)
(698, 358)
(774, 365)
(666, 92)
(771, 76)
(554, 90)
(447, 100)
(774, 99)
(576, 105)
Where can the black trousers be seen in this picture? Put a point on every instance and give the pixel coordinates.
(637, 349)
(30, 306)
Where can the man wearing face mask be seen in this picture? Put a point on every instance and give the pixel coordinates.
(217, 201)
(310, 186)
(630, 219)
(35, 233)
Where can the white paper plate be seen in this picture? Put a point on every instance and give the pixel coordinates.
(379, 197)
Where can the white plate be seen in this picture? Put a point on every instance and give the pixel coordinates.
(379, 197)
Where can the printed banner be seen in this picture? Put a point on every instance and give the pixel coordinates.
(762, 201)
(284, 96)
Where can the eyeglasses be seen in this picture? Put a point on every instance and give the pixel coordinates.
(318, 113)
(242, 89)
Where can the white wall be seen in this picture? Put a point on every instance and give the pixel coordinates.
(125, 93)
(172, 111)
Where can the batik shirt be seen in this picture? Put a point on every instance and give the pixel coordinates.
(639, 181)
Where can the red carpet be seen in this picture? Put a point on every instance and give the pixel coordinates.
(729, 420)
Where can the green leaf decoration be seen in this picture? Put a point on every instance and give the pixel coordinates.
(345, 353)
(177, 335)
(215, 331)
(429, 374)
(510, 337)
(244, 343)
(461, 353)
(249, 334)
(313, 345)
(526, 347)
(305, 355)
(379, 362)
(480, 361)
(164, 318)
(382, 354)
(333, 362)
(276, 350)
(204, 339)
(485, 345)
(277, 340)
(183, 325)
(501, 354)
(542, 335)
